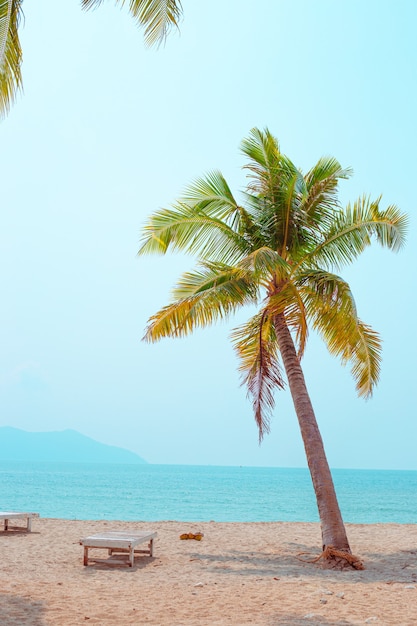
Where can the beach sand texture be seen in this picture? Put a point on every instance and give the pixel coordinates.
(239, 573)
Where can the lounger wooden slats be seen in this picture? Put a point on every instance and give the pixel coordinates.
(8, 515)
(119, 542)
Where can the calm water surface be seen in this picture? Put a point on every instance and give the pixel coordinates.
(201, 493)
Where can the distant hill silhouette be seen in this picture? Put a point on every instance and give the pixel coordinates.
(65, 445)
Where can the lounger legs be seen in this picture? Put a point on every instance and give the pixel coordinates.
(28, 524)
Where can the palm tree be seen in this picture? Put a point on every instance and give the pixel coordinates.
(279, 250)
(157, 17)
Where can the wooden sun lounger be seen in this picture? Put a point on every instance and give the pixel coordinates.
(115, 541)
(8, 515)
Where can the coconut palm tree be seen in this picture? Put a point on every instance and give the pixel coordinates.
(279, 249)
(157, 17)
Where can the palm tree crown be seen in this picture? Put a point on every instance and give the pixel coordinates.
(280, 249)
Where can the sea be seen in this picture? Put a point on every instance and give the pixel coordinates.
(201, 493)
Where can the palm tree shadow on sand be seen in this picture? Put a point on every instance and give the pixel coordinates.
(297, 560)
(18, 610)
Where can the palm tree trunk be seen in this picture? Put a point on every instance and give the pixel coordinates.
(332, 526)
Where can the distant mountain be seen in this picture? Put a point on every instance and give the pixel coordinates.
(65, 445)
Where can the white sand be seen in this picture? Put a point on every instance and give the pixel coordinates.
(240, 573)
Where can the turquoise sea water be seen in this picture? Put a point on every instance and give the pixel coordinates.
(201, 493)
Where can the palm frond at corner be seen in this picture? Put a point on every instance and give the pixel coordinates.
(157, 17)
(256, 347)
(10, 53)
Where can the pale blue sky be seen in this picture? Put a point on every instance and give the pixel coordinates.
(108, 131)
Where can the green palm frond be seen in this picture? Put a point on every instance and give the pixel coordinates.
(268, 167)
(225, 282)
(10, 53)
(329, 291)
(256, 346)
(183, 228)
(355, 343)
(200, 299)
(366, 359)
(293, 231)
(321, 192)
(277, 188)
(178, 320)
(158, 17)
(388, 226)
(327, 170)
(211, 195)
(352, 231)
(264, 154)
(262, 222)
(330, 304)
(265, 265)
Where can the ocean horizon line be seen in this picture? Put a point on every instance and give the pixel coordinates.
(202, 465)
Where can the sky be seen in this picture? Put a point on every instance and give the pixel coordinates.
(107, 131)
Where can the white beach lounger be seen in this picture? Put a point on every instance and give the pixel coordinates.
(115, 541)
(8, 515)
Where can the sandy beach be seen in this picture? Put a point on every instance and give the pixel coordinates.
(239, 573)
